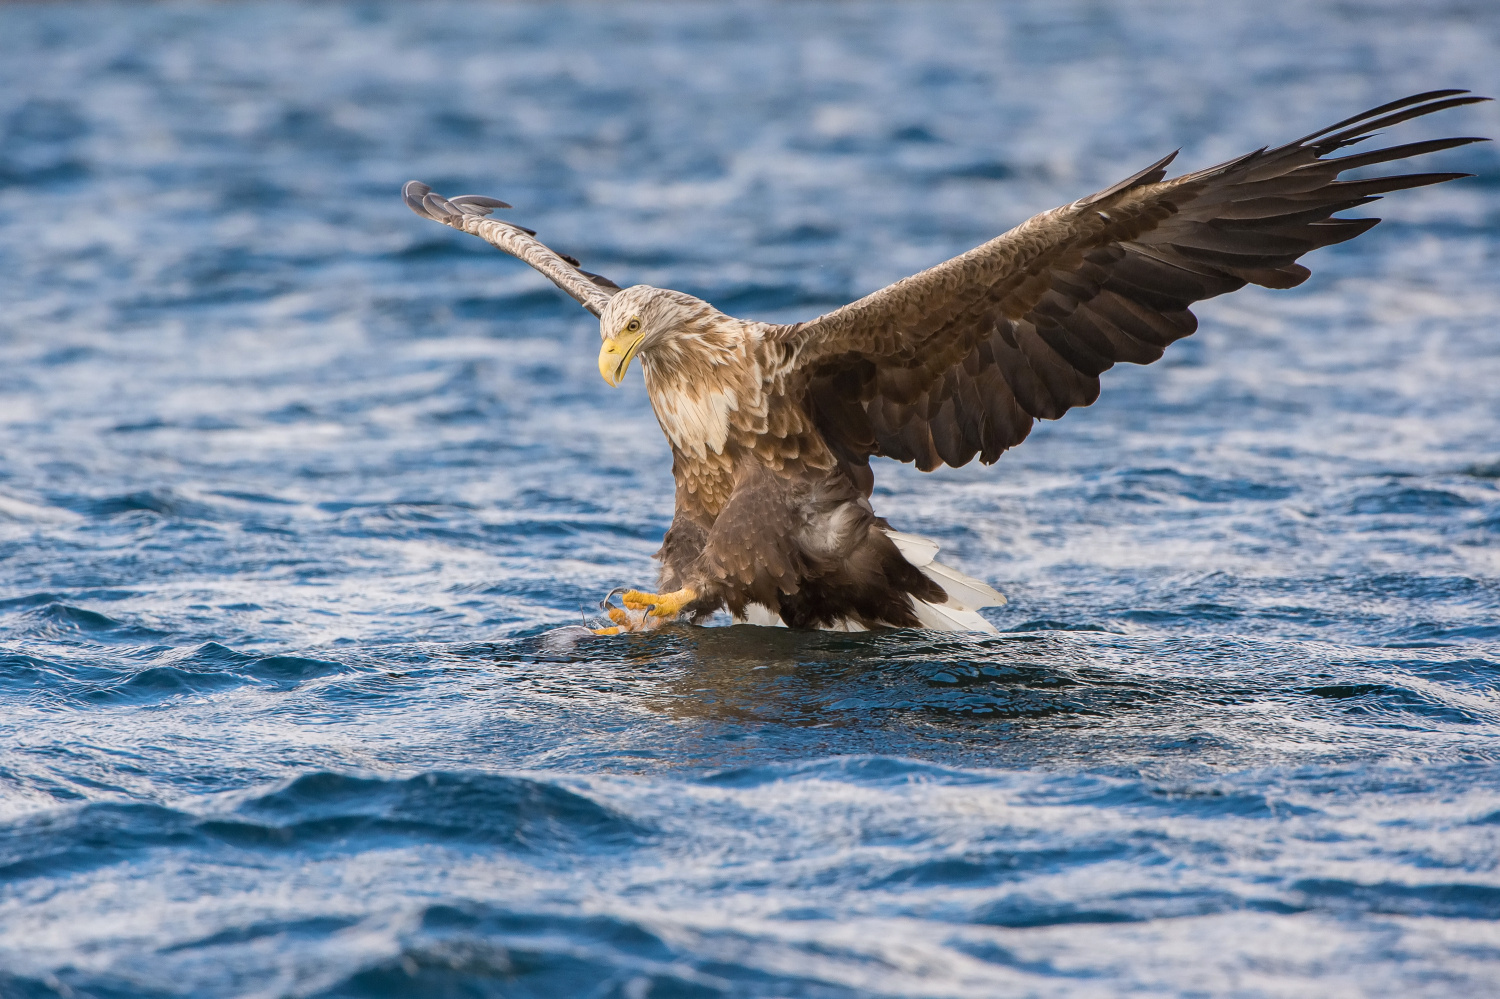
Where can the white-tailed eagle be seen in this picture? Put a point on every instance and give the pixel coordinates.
(773, 426)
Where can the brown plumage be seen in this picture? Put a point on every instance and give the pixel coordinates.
(772, 426)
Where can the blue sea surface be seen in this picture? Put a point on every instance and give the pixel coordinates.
(303, 499)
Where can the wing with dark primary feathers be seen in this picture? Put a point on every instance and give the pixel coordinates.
(959, 360)
(468, 212)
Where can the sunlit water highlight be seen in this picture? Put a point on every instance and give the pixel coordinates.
(300, 497)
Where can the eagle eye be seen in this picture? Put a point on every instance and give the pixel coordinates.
(632, 326)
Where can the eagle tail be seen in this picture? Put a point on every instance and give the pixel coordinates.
(944, 617)
(965, 593)
(959, 613)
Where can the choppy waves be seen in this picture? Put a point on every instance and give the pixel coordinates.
(303, 502)
(857, 876)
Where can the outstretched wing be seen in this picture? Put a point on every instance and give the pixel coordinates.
(961, 359)
(468, 212)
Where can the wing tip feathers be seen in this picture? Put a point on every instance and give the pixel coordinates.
(1150, 175)
(421, 199)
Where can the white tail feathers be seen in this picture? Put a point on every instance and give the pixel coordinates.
(913, 547)
(944, 617)
(960, 613)
(965, 593)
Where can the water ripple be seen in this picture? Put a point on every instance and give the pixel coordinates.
(304, 504)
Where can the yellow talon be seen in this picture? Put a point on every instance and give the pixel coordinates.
(663, 604)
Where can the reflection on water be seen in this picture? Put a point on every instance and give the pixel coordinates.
(769, 675)
(303, 502)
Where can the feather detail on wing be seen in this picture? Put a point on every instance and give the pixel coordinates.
(467, 212)
(961, 359)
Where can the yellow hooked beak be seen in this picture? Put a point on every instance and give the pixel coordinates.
(615, 355)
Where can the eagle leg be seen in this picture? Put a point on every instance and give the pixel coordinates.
(663, 604)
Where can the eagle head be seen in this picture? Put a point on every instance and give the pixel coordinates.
(647, 321)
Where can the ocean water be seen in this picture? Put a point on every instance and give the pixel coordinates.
(302, 501)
